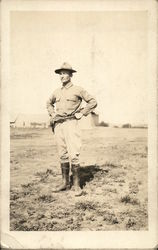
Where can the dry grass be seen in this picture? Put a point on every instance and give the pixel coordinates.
(113, 178)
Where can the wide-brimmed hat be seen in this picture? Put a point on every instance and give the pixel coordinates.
(65, 66)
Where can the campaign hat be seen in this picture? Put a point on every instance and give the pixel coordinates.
(65, 66)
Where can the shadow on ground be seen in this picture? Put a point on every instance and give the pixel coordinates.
(87, 174)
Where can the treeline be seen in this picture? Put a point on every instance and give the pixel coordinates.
(126, 125)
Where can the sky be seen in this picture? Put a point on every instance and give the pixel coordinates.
(108, 49)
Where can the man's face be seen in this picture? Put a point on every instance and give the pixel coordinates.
(65, 76)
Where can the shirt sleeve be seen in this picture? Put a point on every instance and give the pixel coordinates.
(50, 105)
(90, 100)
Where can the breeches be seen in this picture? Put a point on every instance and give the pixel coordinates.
(68, 138)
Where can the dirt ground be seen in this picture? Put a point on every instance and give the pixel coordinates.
(113, 179)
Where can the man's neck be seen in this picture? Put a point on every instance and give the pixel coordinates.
(66, 83)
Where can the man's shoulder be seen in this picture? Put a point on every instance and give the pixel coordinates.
(77, 87)
(56, 91)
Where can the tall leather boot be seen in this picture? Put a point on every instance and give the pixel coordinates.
(76, 179)
(65, 168)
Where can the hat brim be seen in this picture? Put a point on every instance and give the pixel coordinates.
(57, 71)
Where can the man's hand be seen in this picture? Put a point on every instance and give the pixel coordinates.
(78, 116)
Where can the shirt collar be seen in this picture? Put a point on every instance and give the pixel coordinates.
(68, 85)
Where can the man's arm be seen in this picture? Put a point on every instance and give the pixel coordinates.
(90, 100)
(50, 106)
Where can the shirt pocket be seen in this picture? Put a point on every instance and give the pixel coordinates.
(71, 99)
(72, 102)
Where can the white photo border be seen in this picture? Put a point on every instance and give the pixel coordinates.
(81, 240)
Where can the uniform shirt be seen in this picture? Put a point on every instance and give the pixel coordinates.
(67, 100)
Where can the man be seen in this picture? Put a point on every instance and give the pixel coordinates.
(64, 108)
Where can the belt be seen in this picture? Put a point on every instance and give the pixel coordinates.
(61, 120)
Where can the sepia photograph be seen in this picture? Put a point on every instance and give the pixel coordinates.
(79, 109)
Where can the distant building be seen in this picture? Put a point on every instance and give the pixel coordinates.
(126, 125)
(89, 121)
(12, 124)
(42, 121)
(13, 119)
(30, 121)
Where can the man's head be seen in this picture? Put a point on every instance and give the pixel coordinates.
(65, 76)
(65, 72)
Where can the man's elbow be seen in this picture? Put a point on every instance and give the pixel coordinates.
(95, 104)
(48, 104)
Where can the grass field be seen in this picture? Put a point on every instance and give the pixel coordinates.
(113, 178)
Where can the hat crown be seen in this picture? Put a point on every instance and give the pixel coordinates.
(66, 65)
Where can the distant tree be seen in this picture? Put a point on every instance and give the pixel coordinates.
(104, 124)
(127, 125)
(140, 126)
